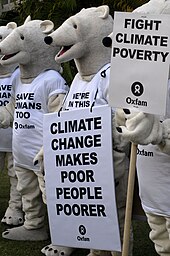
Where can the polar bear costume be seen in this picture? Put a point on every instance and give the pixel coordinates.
(83, 43)
(14, 214)
(38, 89)
(153, 165)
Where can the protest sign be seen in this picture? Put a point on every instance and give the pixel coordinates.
(80, 179)
(140, 62)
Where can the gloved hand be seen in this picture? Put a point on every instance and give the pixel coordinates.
(7, 114)
(39, 159)
(165, 143)
(5, 118)
(55, 102)
(141, 128)
(121, 148)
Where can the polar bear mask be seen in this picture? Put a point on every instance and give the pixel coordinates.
(80, 37)
(26, 46)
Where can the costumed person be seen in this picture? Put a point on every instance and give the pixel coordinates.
(14, 214)
(152, 133)
(83, 43)
(39, 88)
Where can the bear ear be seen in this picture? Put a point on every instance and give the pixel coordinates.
(27, 19)
(47, 26)
(103, 10)
(11, 25)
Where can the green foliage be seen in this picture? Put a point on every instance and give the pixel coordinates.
(123, 5)
(69, 71)
(60, 10)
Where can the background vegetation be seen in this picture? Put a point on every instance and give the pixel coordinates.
(59, 10)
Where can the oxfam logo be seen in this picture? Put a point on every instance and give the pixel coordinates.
(137, 89)
(82, 230)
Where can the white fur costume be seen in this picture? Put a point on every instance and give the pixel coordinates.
(83, 43)
(38, 89)
(14, 214)
(153, 165)
(154, 7)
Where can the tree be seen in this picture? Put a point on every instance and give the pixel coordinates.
(60, 10)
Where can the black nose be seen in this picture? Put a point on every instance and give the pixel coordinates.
(48, 40)
(107, 41)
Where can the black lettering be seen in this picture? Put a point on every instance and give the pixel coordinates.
(91, 210)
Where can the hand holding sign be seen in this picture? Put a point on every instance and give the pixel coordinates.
(141, 128)
(165, 143)
(39, 159)
(5, 116)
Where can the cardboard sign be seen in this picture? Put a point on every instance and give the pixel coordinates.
(140, 62)
(80, 179)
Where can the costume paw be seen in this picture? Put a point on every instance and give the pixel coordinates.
(39, 160)
(23, 234)
(55, 250)
(165, 143)
(141, 128)
(13, 217)
(55, 102)
(5, 118)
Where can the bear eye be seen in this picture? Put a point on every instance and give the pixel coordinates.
(0, 37)
(75, 26)
(22, 37)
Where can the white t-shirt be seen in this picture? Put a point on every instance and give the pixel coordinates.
(5, 94)
(83, 94)
(153, 169)
(31, 101)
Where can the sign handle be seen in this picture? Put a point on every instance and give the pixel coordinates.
(129, 199)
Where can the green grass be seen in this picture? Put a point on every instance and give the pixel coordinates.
(142, 245)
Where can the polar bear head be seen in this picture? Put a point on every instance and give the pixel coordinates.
(4, 32)
(80, 37)
(26, 46)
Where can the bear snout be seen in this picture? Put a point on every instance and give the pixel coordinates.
(48, 40)
(107, 41)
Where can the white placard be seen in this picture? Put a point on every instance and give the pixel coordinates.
(140, 62)
(80, 179)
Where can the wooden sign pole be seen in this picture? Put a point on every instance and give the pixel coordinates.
(129, 200)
